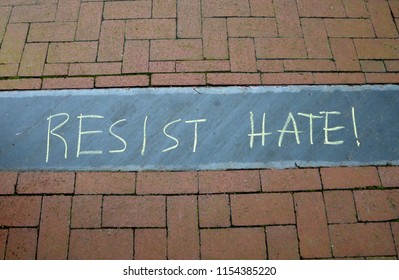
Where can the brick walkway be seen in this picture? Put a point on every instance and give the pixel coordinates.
(257, 214)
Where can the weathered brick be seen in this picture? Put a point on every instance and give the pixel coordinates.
(33, 13)
(356, 8)
(21, 244)
(233, 79)
(309, 65)
(339, 78)
(182, 49)
(183, 233)
(262, 8)
(317, 8)
(314, 241)
(270, 65)
(189, 19)
(242, 55)
(188, 79)
(72, 52)
(112, 39)
(13, 43)
(345, 55)
(8, 180)
(372, 66)
(52, 32)
(218, 244)
(215, 38)
(101, 244)
(3, 242)
(225, 8)
(166, 182)
(377, 48)
(229, 181)
(4, 16)
(290, 180)
(56, 69)
(251, 27)
(389, 176)
(20, 84)
(86, 211)
(349, 177)
(151, 29)
(262, 209)
(127, 9)
(54, 228)
(17, 2)
(392, 65)
(105, 182)
(122, 81)
(282, 243)
(80, 69)
(89, 21)
(150, 244)
(340, 207)
(353, 28)
(287, 79)
(280, 48)
(67, 10)
(164, 8)
(202, 66)
(316, 40)
(214, 210)
(66, 83)
(19, 210)
(380, 15)
(287, 18)
(9, 70)
(45, 182)
(373, 239)
(395, 231)
(162, 66)
(382, 78)
(377, 205)
(134, 211)
(136, 56)
(33, 58)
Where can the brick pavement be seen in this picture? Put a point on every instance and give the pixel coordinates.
(274, 214)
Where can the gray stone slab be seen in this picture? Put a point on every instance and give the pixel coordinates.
(199, 128)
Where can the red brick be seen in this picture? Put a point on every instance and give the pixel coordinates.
(225, 8)
(262, 8)
(127, 9)
(183, 49)
(380, 15)
(313, 235)
(19, 210)
(46, 182)
(8, 70)
(287, 79)
(392, 65)
(189, 19)
(339, 78)
(251, 27)
(86, 211)
(395, 231)
(136, 57)
(20, 84)
(214, 210)
(13, 43)
(377, 205)
(33, 59)
(202, 66)
(183, 233)
(68, 10)
(394, 5)
(54, 228)
(229, 181)
(66, 83)
(4, 16)
(214, 38)
(163, 66)
(377, 48)
(8, 181)
(262, 209)
(316, 40)
(233, 79)
(242, 55)
(282, 243)
(17, 2)
(105, 182)
(82, 69)
(309, 65)
(151, 29)
(33, 13)
(134, 211)
(280, 48)
(389, 176)
(122, 81)
(112, 39)
(345, 55)
(166, 182)
(55, 69)
(340, 207)
(374, 239)
(188, 79)
(21, 244)
(72, 52)
(287, 18)
(221, 244)
(3, 241)
(290, 180)
(150, 244)
(353, 28)
(349, 177)
(89, 22)
(164, 8)
(382, 78)
(270, 65)
(356, 8)
(317, 8)
(52, 32)
(372, 66)
(101, 244)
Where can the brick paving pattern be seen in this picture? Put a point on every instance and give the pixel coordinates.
(316, 213)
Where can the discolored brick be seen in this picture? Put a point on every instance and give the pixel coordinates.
(395, 231)
(82, 69)
(377, 48)
(392, 65)
(112, 39)
(202, 66)
(352, 28)
(270, 65)
(52, 32)
(20, 84)
(225, 8)
(242, 55)
(67, 83)
(33, 59)
(150, 244)
(3, 242)
(340, 207)
(214, 210)
(214, 38)
(282, 243)
(189, 19)
(179, 79)
(251, 27)
(356, 8)
(262, 8)
(339, 78)
(86, 211)
(122, 81)
(280, 48)
(345, 55)
(287, 78)
(380, 15)
(127, 9)
(56, 69)
(136, 56)
(382, 78)
(287, 18)
(89, 22)
(13, 43)
(377, 205)
(151, 29)
(164, 8)
(290, 180)
(389, 176)
(67, 10)
(309, 65)
(33, 13)
(21, 244)
(182, 49)
(325, 8)
(166, 182)
(316, 40)
(349, 177)
(233, 79)
(229, 181)
(46, 182)
(105, 182)
(4, 16)
(162, 66)
(72, 52)
(8, 70)
(8, 181)
(372, 66)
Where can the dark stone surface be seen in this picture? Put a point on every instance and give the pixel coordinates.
(37, 125)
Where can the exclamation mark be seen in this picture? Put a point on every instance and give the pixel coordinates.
(354, 127)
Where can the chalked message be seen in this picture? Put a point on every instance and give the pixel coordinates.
(199, 128)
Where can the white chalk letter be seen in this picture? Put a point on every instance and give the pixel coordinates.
(171, 137)
(355, 127)
(290, 118)
(144, 136)
(81, 117)
(328, 129)
(51, 132)
(195, 131)
(118, 137)
(311, 117)
(253, 134)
